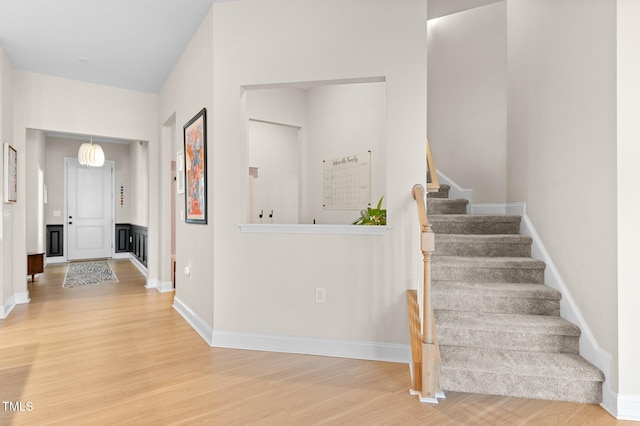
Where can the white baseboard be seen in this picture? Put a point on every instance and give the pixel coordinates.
(16, 299)
(199, 325)
(589, 347)
(143, 269)
(6, 309)
(313, 346)
(57, 259)
(487, 209)
(152, 283)
(456, 191)
(164, 286)
(290, 344)
(161, 286)
(22, 298)
(121, 256)
(628, 407)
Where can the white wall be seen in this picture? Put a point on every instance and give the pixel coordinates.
(275, 150)
(345, 120)
(58, 148)
(628, 34)
(139, 183)
(336, 120)
(467, 101)
(288, 106)
(6, 222)
(68, 106)
(187, 90)
(562, 146)
(34, 194)
(266, 283)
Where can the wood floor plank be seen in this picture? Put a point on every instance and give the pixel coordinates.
(118, 353)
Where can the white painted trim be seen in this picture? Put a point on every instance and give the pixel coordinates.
(164, 286)
(456, 191)
(589, 347)
(375, 351)
(517, 209)
(22, 298)
(199, 325)
(488, 209)
(16, 299)
(6, 309)
(56, 259)
(628, 407)
(161, 286)
(269, 228)
(152, 283)
(140, 266)
(121, 255)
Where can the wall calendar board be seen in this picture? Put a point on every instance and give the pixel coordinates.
(346, 182)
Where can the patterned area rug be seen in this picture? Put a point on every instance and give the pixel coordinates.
(85, 273)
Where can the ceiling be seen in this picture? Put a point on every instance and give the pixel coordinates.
(438, 8)
(130, 44)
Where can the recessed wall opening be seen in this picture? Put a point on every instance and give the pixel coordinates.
(293, 130)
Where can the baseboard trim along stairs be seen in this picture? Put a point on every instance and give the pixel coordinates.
(498, 324)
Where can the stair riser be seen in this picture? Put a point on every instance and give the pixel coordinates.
(503, 305)
(470, 227)
(446, 207)
(462, 273)
(503, 340)
(586, 392)
(449, 248)
(438, 194)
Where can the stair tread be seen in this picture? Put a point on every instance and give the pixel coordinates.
(539, 364)
(493, 289)
(489, 262)
(512, 323)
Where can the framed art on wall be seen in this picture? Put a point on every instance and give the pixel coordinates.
(180, 173)
(195, 158)
(10, 180)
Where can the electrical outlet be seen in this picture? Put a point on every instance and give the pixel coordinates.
(321, 295)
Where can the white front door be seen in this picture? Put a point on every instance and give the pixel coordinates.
(89, 220)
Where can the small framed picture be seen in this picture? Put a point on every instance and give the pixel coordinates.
(180, 173)
(10, 174)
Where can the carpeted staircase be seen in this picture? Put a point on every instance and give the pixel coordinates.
(498, 325)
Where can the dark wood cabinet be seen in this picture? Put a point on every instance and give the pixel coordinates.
(35, 264)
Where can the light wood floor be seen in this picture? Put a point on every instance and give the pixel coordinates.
(115, 354)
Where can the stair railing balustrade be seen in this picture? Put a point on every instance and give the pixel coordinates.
(425, 352)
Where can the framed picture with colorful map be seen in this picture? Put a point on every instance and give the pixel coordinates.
(195, 158)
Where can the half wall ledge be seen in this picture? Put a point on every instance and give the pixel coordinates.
(268, 228)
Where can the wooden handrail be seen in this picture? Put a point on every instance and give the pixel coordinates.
(426, 374)
(418, 194)
(434, 185)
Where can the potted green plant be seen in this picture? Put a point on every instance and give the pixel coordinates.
(371, 216)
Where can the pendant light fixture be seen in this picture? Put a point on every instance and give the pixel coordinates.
(91, 155)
